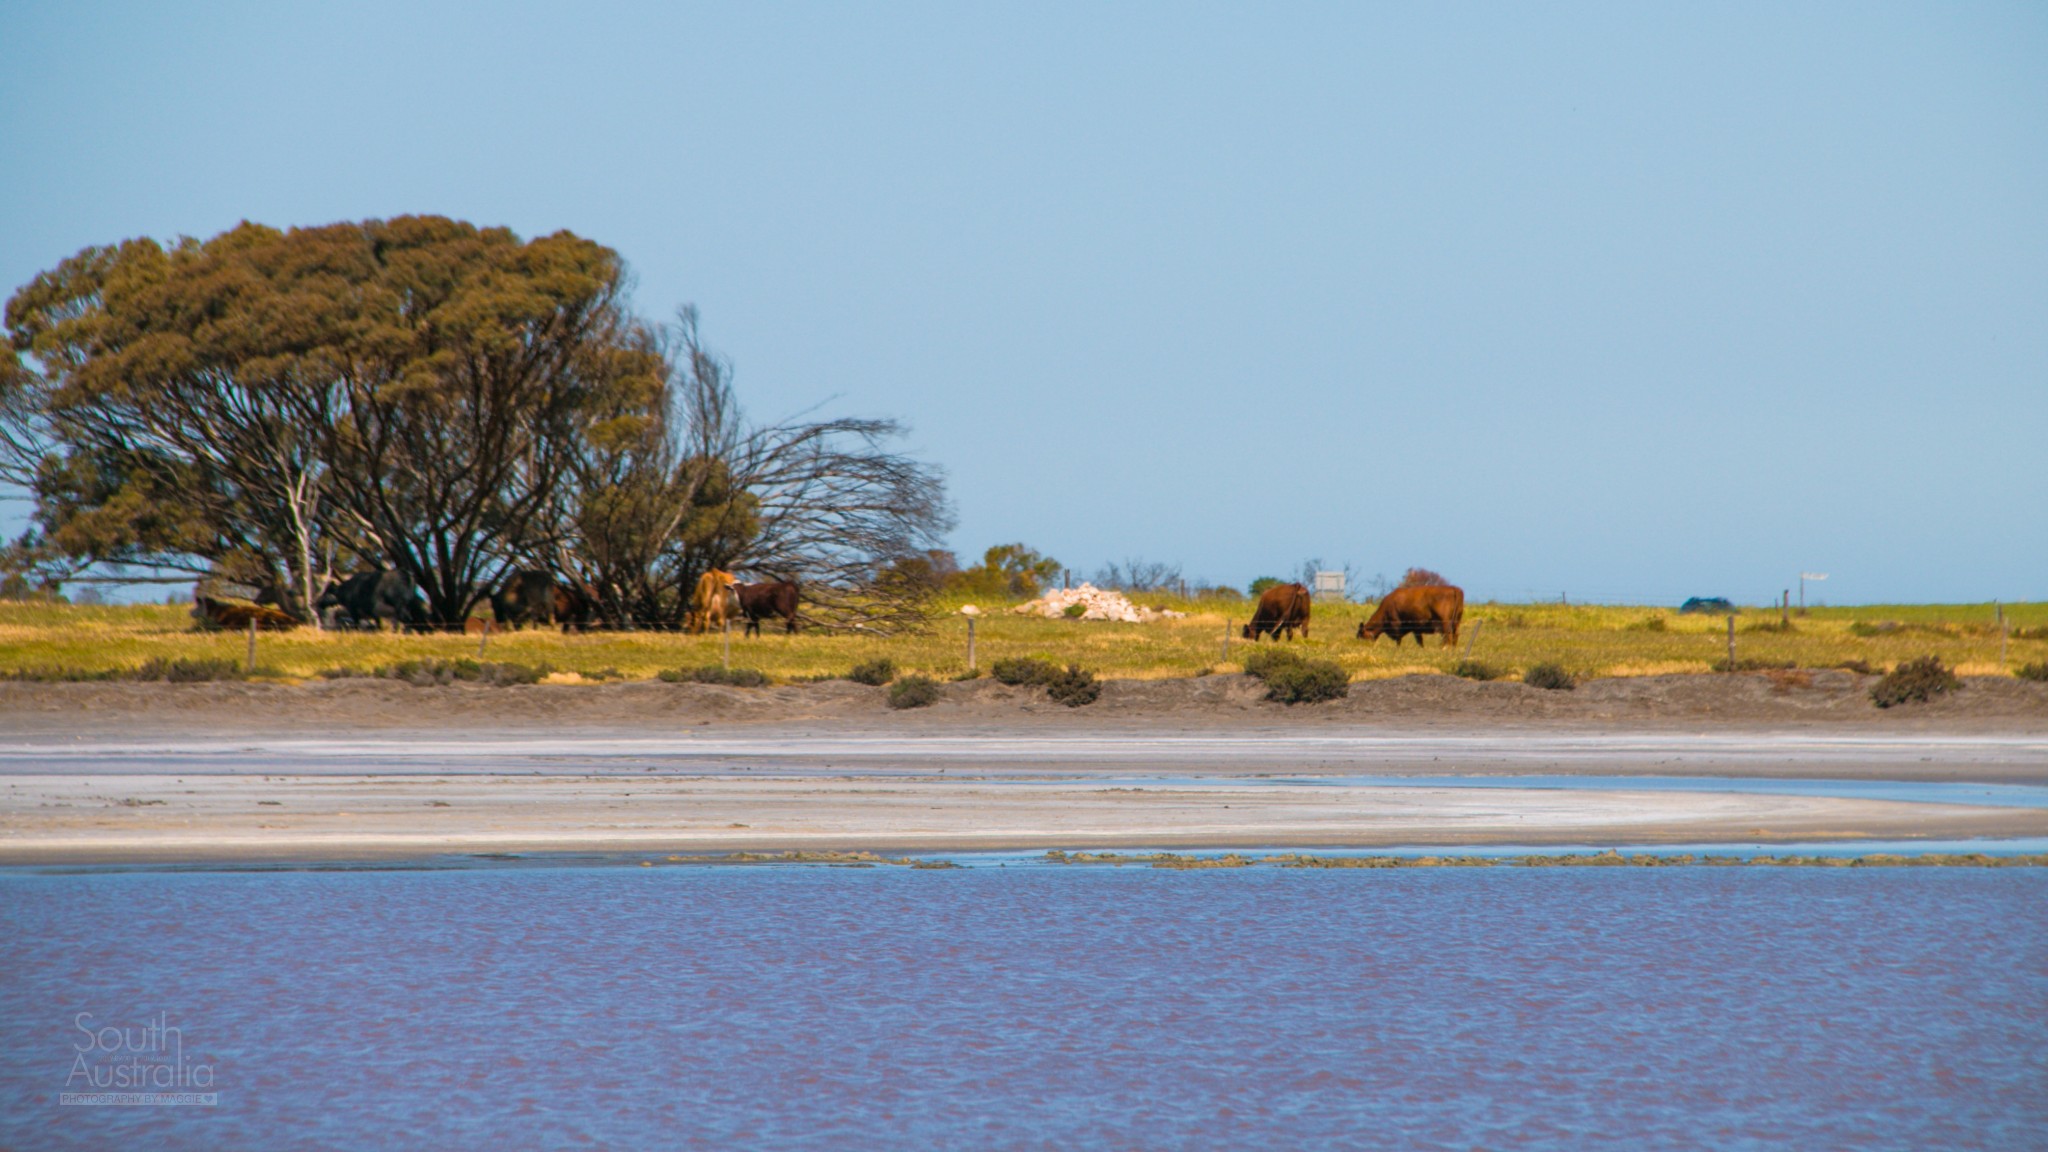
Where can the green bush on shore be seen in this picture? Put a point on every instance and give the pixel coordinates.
(1914, 682)
(431, 672)
(1292, 678)
(913, 692)
(717, 674)
(1018, 671)
(1549, 676)
(873, 673)
(1074, 687)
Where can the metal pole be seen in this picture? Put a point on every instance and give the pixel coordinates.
(970, 643)
(1731, 643)
(251, 667)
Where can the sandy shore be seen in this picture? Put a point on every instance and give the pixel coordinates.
(108, 818)
(1822, 701)
(354, 770)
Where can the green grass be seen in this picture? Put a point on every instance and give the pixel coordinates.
(1587, 641)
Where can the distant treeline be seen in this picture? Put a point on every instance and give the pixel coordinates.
(274, 407)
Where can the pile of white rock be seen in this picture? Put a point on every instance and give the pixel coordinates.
(1098, 604)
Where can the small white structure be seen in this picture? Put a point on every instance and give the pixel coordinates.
(1096, 604)
(1329, 586)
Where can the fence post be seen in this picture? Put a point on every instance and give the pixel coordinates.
(2004, 631)
(250, 668)
(1785, 607)
(1731, 644)
(1226, 639)
(725, 642)
(1473, 635)
(970, 643)
(482, 639)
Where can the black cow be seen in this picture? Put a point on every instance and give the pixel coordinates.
(526, 597)
(774, 598)
(368, 599)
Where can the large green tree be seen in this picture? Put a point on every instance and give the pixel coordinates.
(425, 395)
(404, 393)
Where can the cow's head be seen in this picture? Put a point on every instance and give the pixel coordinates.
(1370, 629)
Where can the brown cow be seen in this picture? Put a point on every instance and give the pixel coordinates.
(711, 604)
(236, 615)
(1282, 608)
(1417, 610)
(574, 608)
(758, 601)
(527, 596)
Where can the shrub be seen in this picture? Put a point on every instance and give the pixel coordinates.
(913, 692)
(1860, 667)
(970, 674)
(1753, 664)
(1549, 676)
(1650, 624)
(1474, 670)
(1264, 662)
(184, 671)
(1019, 670)
(1781, 624)
(2034, 671)
(1074, 687)
(1074, 611)
(716, 674)
(874, 673)
(1914, 680)
(1307, 682)
(431, 672)
(64, 674)
(1261, 584)
(1422, 578)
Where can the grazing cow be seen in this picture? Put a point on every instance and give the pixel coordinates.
(1417, 610)
(1282, 608)
(368, 599)
(774, 598)
(526, 597)
(711, 604)
(574, 608)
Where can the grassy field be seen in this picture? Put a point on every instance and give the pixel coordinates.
(1589, 641)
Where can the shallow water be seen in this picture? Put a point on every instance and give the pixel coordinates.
(1910, 791)
(1042, 1007)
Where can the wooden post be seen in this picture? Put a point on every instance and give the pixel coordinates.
(725, 642)
(251, 666)
(483, 639)
(970, 643)
(1471, 636)
(1785, 607)
(1226, 639)
(1731, 643)
(1066, 579)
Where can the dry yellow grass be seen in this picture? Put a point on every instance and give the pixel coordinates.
(1590, 641)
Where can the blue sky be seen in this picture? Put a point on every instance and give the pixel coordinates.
(1627, 301)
